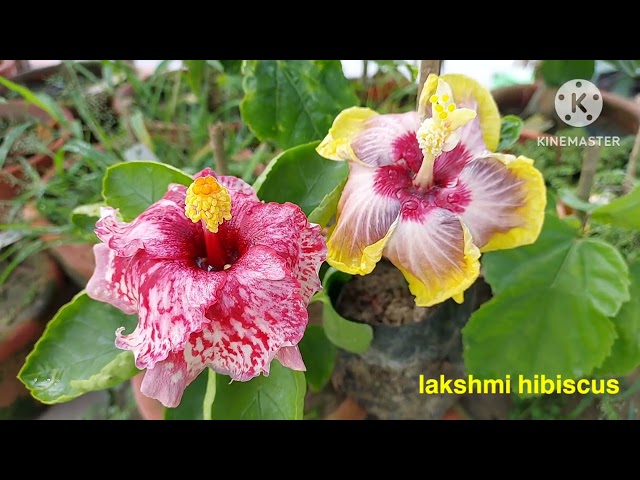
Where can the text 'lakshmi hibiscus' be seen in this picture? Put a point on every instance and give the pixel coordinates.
(218, 279)
(425, 190)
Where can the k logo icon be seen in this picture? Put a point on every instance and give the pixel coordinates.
(578, 103)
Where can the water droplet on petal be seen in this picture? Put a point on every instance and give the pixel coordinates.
(453, 198)
(399, 193)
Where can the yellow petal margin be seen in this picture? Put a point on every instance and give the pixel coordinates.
(427, 297)
(364, 265)
(463, 88)
(532, 211)
(337, 144)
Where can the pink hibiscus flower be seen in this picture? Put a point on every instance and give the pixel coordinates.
(217, 278)
(426, 191)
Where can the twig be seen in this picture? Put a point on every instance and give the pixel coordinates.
(632, 166)
(216, 137)
(590, 161)
(426, 68)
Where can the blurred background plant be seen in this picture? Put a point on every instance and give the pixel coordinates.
(94, 115)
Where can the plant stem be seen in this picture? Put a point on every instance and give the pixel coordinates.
(632, 166)
(209, 395)
(365, 74)
(216, 137)
(427, 67)
(590, 160)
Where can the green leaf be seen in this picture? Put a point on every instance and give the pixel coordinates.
(195, 74)
(558, 72)
(319, 356)
(625, 353)
(542, 330)
(215, 64)
(549, 315)
(190, 407)
(86, 216)
(280, 396)
(134, 186)
(77, 354)
(230, 66)
(346, 334)
(9, 139)
(42, 101)
(623, 212)
(629, 67)
(292, 102)
(571, 199)
(550, 208)
(136, 120)
(562, 261)
(510, 129)
(301, 176)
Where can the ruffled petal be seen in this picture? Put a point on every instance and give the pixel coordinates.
(260, 312)
(382, 141)
(290, 357)
(167, 380)
(507, 198)
(364, 219)
(435, 253)
(481, 134)
(285, 229)
(337, 144)
(112, 280)
(162, 230)
(313, 251)
(170, 297)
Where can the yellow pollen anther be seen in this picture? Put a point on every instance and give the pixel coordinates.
(433, 99)
(451, 107)
(443, 115)
(209, 201)
(439, 108)
(445, 98)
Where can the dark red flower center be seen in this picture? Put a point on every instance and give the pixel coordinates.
(447, 191)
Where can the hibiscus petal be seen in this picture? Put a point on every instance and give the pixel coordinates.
(168, 379)
(162, 230)
(337, 144)
(507, 201)
(112, 279)
(480, 134)
(171, 298)
(260, 312)
(366, 213)
(435, 253)
(381, 142)
(313, 251)
(290, 357)
(285, 229)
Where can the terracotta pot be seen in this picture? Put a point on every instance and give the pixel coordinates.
(623, 113)
(149, 408)
(41, 79)
(39, 280)
(8, 68)
(76, 259)
(20, 110)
